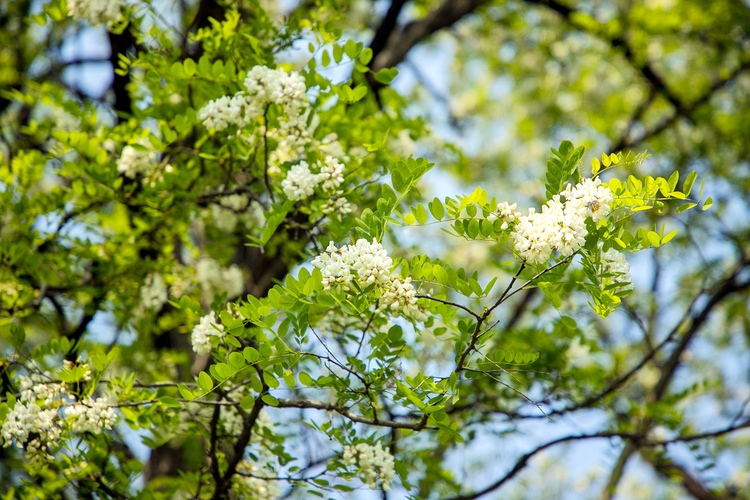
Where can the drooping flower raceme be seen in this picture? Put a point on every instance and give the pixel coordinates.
(331, 173)
(300, 182)
(374, 462)
(247, 486)
(215, 279)
(153, 292)
(590, 198)
(225, 111)
(201, 335)
(614, 262)
(132, 161)
(559, 226)
(96, 12)
(36, 414)
(91, 415)
(368, 263)
(264, 86)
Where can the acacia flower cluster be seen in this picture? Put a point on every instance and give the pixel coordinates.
(134, 161)
(560, 225)
(263, 86)
(96, 12)
(153, 292)
(215, 279)
(36, 415)
(250, 483)
(300, 182)
(614, 262)
(374, 462)
(201, 335)
(225, 111)
(367, 264)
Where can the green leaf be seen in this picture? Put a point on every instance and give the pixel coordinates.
(205, 383)
(185, 392)
(325, 59)
(289, 378)
(270, 380)
(668, 237)
(707, 204)
(351, 49)
(251, 354)
(189, 67)
(421, 214)
(653, 238)
(687, 186)
(473, 229)
(359, 92)
(338, 53)
(247, 402)
(236, 360)
(169, 402)
(436, 209)
(270, 400)
(366, 56)
(305, 379)
(386, 75)
(265, 350)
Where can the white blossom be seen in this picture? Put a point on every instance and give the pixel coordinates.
(299, 182)
(215, 279)
(374, 462)
(255, 488)
(133, 162)
(368, 264)
(225, 111)
(153, 292)
(36, 415)
(91, 415)
(182, 280)
(330, 146)
(559, 226)
(614, 262)
(96, 12)
(201, 335)
(590, 198)
(231, 420)
(331, 173)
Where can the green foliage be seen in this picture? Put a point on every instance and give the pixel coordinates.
(169, 268)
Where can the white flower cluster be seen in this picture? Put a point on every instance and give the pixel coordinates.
(300, 182)
(133, 162)
(507, 212)
(614, 262)
(338, 204)
(257, 488)
(215, 279)
(237, 208)
(231, 421)
(182, 281)
(369, 264)
(559, 226)
(264, 86)
(96, 12)
(36, 413)
(153, 292)
(225, 111)
(374, 462)
(92, 415)
(590, 198)
(201, 335)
